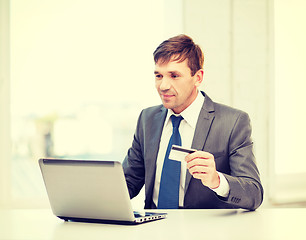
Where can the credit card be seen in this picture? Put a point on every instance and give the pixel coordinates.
(179, 153)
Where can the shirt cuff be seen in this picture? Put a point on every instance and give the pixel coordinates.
(223, 189)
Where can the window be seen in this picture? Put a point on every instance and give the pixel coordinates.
(81, 71)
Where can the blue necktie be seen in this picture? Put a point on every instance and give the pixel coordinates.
(170, 180)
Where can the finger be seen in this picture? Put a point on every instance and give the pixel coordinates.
(198, 162)
(201, 162)
(198, 154)
(199, 176)
(202, 176)
(198, 170)
(196, 166)
(201, 170)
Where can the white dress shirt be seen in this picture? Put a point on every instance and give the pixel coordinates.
(186, 129)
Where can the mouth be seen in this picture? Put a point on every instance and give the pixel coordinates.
(167, 96)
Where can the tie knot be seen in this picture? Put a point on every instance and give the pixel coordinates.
(176, 121)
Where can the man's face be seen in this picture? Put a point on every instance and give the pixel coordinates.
(175, 85)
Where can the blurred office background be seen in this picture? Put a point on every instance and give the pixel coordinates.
(75, 74)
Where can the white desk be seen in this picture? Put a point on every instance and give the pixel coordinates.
(180, 224)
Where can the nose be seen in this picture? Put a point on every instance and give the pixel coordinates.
(165, 84)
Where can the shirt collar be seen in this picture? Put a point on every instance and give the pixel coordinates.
(191, 113)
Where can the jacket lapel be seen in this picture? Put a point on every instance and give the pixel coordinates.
(205, 120)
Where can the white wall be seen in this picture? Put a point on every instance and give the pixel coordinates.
(4, 102)
(290, 85)
(234, 35)
(289, 131)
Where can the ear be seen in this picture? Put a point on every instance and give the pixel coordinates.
(199, 77)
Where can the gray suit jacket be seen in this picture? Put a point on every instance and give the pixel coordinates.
(222, 131)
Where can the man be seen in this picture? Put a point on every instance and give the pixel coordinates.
(222, 173)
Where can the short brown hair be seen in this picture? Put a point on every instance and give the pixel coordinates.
(179, 48)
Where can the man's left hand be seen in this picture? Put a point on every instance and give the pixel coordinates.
(201, 165)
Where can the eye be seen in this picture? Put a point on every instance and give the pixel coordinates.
(174, 76)
(158, 76)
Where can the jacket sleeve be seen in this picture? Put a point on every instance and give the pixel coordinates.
(245, 187)
(133, 164)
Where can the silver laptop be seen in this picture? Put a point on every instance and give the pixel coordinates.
(91, 191)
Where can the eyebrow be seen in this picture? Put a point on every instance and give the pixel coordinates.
(171, 72)
(175, 72)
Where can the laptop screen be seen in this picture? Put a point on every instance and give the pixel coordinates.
(87, 189)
